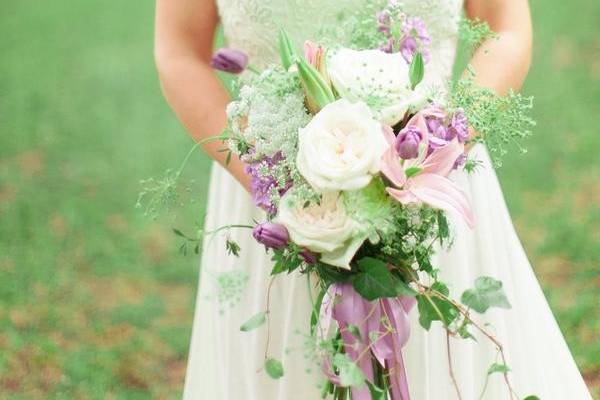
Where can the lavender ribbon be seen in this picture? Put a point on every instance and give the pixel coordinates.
(387, 317)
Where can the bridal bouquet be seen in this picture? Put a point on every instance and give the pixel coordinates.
(350, 150)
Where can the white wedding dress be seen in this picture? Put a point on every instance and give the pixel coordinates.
(225, 363)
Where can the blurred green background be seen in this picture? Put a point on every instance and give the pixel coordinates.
(96, 302)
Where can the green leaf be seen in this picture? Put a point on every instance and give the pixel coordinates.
(417, 70)
(254, 322)
(412, 171)
(374, 280)
(487, 293)
(316, 88)
(376, 392)
(274, 368)
(531, 397)
(349, 373)
(403, 289)
(286, 50)
(435, 309)
(498, 368)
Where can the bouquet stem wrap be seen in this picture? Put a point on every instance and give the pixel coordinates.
(369, 330)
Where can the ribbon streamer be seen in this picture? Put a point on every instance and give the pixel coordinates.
(384, 328)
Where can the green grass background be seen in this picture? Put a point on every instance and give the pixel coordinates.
(95, 301)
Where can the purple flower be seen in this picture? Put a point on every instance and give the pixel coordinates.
(407, 142)
(273, 236)
(460, 161)
(415, 39)
(308, 256)
(263, 184)
(384, 22)
(229, 60)
(459, 125)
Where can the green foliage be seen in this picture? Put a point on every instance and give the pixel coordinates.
(349, 373)
(432, 308)
(416, 70)
(501, 121)
(497, 368)
(274, 368)
(374, 279)
(473, 32)
(487, 293)
(286, 50)
(254, 322)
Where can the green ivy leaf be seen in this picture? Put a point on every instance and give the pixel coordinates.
(403, 289)
(487, 293)
(417, 70)
(435, 309)
(349, 373)
(374, 280)
(498, 368)
(274, 368)
(254, 322)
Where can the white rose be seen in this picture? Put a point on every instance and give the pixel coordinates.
(325, 228)
(377, 78)
(341, 147)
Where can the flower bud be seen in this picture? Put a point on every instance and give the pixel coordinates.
(308, 256)
(274, 236)
(229, 60)
(407, 142)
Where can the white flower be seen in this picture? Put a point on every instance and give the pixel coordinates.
(341, 147)
(377, 78)
(325, 228)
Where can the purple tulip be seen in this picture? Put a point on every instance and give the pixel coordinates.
(407, 142)
(274, 236)
(229, 60)
(308, 256)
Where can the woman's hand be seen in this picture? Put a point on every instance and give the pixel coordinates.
(183, 49)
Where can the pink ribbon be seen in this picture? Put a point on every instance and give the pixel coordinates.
(344, 305)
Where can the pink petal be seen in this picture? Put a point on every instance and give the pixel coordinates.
(440, 192)
(388, 133)
(442, 160)
(403, 196)
(391, 168)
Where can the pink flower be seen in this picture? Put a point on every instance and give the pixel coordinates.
(424, 178)
(314, 54)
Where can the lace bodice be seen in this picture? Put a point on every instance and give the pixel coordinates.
(252, 25)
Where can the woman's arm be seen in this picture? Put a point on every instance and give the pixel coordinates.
(183, 50)
(502, 64)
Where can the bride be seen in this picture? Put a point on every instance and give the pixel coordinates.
(224, 363)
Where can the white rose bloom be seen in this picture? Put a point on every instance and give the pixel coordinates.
(325, 228)
(377, 78)
(341, 147)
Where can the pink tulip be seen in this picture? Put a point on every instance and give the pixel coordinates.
(428, 182)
